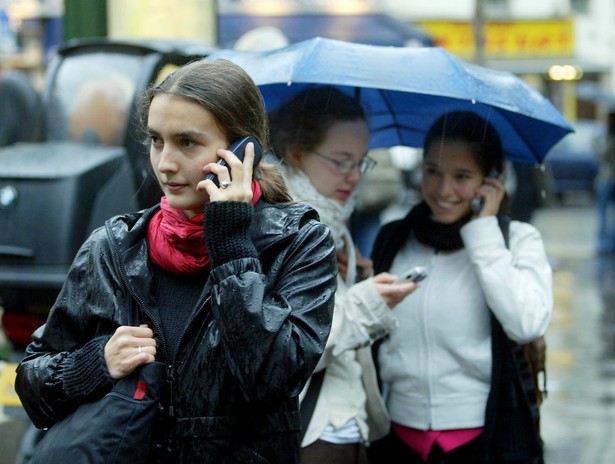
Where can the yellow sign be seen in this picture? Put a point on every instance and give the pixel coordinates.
(8, 396)
(506, 39)
(163, 19)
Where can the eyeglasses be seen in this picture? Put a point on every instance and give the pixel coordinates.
(347, 166)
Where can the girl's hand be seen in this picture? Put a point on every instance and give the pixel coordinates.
(391, 292)
(129, 348)
(235, 179)
(364, 266)
(492, 190)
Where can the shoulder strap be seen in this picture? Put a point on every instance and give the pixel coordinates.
(308, 404)
(512, 422)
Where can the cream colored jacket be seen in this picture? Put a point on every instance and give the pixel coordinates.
(360, 317)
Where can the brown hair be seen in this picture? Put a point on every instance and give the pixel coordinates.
(480, 135)
(229, 94)
(303, 121)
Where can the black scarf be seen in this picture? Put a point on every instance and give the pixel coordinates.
(420, 222)
(441, 237)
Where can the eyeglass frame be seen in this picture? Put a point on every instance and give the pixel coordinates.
(366, 164)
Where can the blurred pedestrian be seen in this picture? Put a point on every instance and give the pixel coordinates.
(100, 109)
(20, 109)
(452, 375)
(321, 137)
(605, 190)
(233, 283)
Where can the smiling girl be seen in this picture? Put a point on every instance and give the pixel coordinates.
(455, 392)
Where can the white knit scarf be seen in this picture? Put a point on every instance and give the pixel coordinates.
(332, 214)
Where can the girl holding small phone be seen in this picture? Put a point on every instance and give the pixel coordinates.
(455, 394)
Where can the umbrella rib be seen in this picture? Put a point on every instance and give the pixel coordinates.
(389, 107)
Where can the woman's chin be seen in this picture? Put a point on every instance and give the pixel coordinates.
(448, 216)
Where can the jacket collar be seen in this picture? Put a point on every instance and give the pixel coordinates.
(270, 224)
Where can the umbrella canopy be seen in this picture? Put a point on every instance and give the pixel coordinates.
(404, 90)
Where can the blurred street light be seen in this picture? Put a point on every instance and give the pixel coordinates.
(566, 72)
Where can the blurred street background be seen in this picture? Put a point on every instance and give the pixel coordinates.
(578, 416)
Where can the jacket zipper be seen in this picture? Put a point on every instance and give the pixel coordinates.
(158, 328)
(171, 371)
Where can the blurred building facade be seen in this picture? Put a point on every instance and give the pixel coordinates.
(553, 44)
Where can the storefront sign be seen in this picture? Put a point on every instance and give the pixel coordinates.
(518, 39)
(193, 19)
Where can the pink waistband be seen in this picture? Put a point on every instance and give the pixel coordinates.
(422, 441)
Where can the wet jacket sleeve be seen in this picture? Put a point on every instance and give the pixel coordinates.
(64, 365)
(516, 281)
(273, 332)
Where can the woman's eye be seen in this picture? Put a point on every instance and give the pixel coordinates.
(154, 140)
(187, 143)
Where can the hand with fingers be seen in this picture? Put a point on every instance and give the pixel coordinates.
(392, 290)
(492, 193)
(129, 348)
(231, 177)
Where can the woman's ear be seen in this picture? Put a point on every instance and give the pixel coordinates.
(294, 157)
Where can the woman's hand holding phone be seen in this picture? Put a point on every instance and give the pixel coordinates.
(488, 196)
(230, 178)
(392, 290)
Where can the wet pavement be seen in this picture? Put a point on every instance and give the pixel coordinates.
(578, 417)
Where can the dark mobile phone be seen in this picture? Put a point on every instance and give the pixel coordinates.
(239, 149)
(416, 274)
(478, 202)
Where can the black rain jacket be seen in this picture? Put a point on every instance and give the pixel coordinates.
(251, 343)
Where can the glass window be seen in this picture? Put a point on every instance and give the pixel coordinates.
(91, 97)
(580, 6)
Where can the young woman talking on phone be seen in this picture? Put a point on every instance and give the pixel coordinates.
(232, 283)
(451, 370)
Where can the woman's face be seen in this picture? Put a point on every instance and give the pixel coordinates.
(184, 138)
(345, 140)
(451, 176)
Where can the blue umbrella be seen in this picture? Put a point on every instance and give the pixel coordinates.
(404, 90)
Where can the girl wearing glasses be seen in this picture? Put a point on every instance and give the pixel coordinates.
(321, 137)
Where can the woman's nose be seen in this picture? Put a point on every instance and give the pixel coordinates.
(166, 162)
(355, 175)
(444, 186)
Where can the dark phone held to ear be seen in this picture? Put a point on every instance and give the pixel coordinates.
(239, 149)
(479, 202)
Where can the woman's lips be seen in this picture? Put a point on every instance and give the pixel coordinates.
(343, 194)
(174, 188)
(445, 205)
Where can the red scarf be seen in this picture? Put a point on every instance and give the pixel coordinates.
(177, 243)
